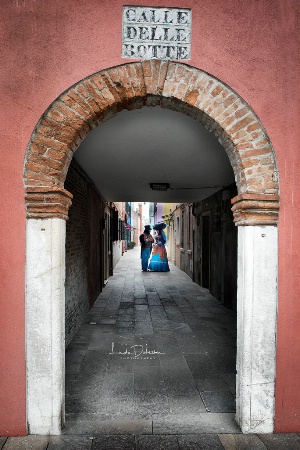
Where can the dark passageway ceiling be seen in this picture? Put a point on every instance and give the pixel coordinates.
(135, 148)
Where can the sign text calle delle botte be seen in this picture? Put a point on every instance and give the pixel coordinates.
(162, 33)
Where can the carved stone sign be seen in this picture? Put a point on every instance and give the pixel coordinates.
(161, 33)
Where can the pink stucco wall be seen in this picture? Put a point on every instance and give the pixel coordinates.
(47, 46)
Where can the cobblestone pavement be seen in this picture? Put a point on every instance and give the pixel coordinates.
(152, 367)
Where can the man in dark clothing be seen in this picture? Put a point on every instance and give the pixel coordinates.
(146, 241)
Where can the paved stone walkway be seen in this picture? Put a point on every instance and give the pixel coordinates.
(156, 355)
(152, 367)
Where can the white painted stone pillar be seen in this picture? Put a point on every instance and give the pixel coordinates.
(256, 328)
(45, 322)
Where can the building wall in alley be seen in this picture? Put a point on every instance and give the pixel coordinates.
(88, 247)
(163, 213)
(136, 226)
(182, 245)
(117, 232)
(203, 244)
(215, 246)
(77, 291)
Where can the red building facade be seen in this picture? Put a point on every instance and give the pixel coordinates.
(60, 59)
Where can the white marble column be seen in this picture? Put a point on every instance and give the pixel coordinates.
(256, 328)
(45, 322)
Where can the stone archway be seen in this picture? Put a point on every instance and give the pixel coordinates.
(54, 140)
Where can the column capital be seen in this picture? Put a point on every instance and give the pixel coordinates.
(255, 209)
(47, 202)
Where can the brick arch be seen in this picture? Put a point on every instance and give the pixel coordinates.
(149, 83)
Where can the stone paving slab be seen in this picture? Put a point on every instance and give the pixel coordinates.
(218, 401)
(120, 426)
(70, 443)
(200, 442)
(157, 443)
(242, 442)
(126, 442)
(27, 443)
(195, 424)
(281, 441)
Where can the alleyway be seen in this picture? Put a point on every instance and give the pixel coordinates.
(181, 378)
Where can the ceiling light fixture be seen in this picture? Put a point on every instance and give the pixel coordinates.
(166, 186)
(159, 186)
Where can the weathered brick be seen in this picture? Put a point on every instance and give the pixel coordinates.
(46, 131)
(252, 153)
(227, 122)
(146, 66)
(263, 142)
(66, 111)
(248, 145)
(59, 132)
(191, 97)
(168, 88)
(181, 90)
(74, 105)
(126, 82)
(96, 102)
(204, 91)
(74, 95)
(29, 175)
(47, 207)
(48, 143)
(216, 110)
(117, 85)
(39, 168)
(241, 112)
(112, 88)
(58, 199)
(83, 91)
(37, 148)
(59, 155)
(155, 75)
(230, 100)
(137, 81)
(241, 136)
(35, 158)
(250, 163)
(181, 81)
(56, 115)
(228, 111)
(253, 126)
(266, 170)
(216, 91)
(36, 197)
(243, 123)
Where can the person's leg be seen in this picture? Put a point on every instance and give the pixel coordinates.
(145, 258)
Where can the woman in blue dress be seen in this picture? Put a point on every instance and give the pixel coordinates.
(159, 258)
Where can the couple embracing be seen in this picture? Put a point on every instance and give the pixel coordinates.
(154, 249)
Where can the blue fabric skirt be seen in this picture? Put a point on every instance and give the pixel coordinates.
(159, 259)
(145, 255)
